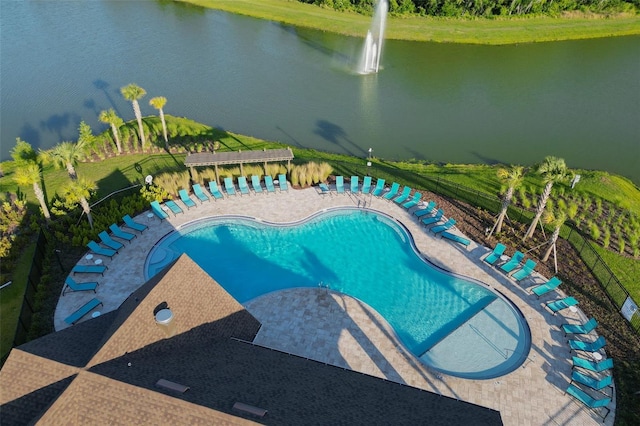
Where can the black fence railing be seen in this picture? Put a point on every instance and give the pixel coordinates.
(33, 279)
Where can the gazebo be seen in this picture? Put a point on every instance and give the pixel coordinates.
(240, 157)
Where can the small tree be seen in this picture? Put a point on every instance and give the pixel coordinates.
(78, 192)
(132, 93)
(109, 116)
(158, 103)
(552, 170)
(512, 177)
(29, 174)
(556, 219)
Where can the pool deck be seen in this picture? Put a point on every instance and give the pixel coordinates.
(334, 328)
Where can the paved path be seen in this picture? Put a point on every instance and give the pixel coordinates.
(339, 330)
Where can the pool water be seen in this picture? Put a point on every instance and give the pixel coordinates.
(451, 323)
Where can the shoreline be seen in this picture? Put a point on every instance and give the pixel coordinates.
(535, 29)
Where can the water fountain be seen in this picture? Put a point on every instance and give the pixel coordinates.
(372, 50)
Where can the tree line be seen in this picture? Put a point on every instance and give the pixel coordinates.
(483, 8)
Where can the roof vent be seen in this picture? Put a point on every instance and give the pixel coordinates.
(164, 320)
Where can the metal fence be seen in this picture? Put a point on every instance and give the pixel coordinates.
(612, 286)
(33, 279)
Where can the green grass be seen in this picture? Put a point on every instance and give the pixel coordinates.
(475, 31)
(627, 270)
(11, 299)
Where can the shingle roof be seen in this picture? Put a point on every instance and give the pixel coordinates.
(94, 399)
(210, 352)
(195, 300)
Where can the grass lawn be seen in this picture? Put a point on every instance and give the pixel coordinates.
(11, 299)
(475, 31)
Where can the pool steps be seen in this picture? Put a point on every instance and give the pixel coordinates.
(454, 324)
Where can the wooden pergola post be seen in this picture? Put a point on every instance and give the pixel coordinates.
(217, 174)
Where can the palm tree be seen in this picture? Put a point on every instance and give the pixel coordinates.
(65, 154)
(553, 170)
(109, 116)
(133, 92)
(512, 177)
(158, 103)
(29, 174)
(78, 192)
(555, 219)
(23, 153)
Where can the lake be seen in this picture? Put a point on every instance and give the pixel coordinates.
(62, 62)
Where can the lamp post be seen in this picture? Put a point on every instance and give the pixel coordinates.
(369, 162)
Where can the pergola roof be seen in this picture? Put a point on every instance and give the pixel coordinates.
(240, 157)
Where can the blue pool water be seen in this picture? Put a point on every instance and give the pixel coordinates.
(455, 325)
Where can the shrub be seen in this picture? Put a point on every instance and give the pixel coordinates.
(594, 230)
(607, 237)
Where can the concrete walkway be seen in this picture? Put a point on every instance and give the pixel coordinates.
(339, 330)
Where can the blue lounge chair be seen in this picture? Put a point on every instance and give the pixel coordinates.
(255, 182)
(593, 383)
(184, 196)
(414, 201)
(545, 288)
(558, 305)
(123, 235)
(525, 271)
(71, 284)
(340, 185)
(379, 189)
(513, 262)
(132, 224)
(89, 269)
(354, 184)
(498, 251)
(585, 328)
(242, 184)
(428, 209)
(324, 189)
(84, 310)
(456, 238)
(109, 242)
(157, 210)
(175, 209)
(395, 186)
(589, 401)
(282, 182)
(433, 219)
(268, 182)
(447, 225)
(366, 185)
(94, 247)
(199, 193)
(404, 195)
(229, 187)
(595, 346)
(215, 191)
(598, 367)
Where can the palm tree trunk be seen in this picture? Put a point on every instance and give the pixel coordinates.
(87, 210)
(164, 129)
(116, 137)
(506, 201)
(43, 204)
(72, 171)
(136, 111)
(554, 238)
(542, 203)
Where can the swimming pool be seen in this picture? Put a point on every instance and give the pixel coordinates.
(451, 323)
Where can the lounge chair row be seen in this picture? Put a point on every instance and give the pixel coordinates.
(215, 192)
(428, 215)
(112, 246)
